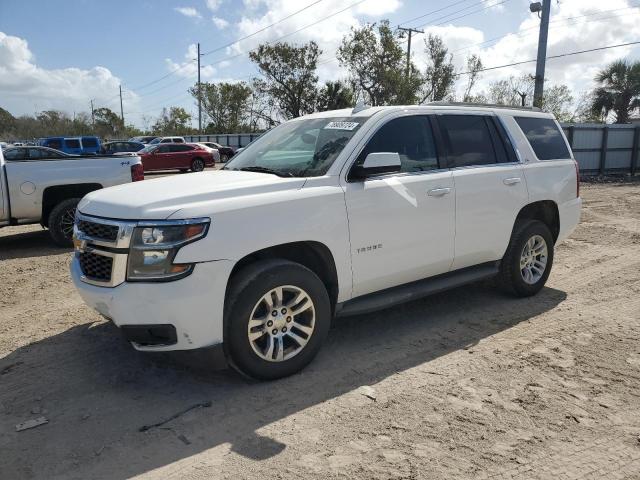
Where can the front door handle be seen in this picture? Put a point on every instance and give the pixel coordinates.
(438, 192)
(512, 180)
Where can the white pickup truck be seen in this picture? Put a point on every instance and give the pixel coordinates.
(43, 185)
(335, 213)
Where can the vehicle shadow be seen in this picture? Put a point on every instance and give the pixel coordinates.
(28, 244)
(97, 392)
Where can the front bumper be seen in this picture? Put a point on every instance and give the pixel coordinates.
(194, 305)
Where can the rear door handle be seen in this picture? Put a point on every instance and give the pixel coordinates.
(438, 192)
(512, 180)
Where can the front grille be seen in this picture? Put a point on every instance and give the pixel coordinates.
(98, 230)
(95, 267)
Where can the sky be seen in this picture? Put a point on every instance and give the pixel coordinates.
(63, 54)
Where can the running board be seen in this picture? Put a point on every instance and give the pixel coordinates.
(416, 290)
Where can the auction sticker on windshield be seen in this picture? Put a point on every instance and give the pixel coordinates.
(341, 125)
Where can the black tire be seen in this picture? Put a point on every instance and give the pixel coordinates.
(224, 157)
(510, 278)
(59, 228)
(197, 164)
(245, 291)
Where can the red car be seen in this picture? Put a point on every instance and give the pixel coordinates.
(175, 156)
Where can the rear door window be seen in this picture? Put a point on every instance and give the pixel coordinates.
(544, 137)
(72, 143)
(468, 140)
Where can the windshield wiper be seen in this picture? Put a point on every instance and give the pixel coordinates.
(266, 170)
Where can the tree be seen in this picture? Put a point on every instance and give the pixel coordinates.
(107, 123)
(557, 99)
(226, 105)
(335, 95)
(474, 65)
(290, 76)
(440, 74)
(7, 123)
(172, 121)
(619, 90)
(377, 63)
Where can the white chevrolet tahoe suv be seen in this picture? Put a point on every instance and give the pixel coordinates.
(335, 213)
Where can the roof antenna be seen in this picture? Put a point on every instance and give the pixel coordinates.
(360, 106)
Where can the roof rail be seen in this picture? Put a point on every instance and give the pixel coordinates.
(491, 105)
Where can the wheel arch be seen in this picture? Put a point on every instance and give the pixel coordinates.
(316, 256)
(545, 211)
(51, 196)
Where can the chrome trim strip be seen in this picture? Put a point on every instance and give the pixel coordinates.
(125, 231)
(161, 223)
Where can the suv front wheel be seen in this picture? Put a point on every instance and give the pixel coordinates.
(277, 315)
(527, 263)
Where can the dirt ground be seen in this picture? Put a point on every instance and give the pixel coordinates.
(466, 384)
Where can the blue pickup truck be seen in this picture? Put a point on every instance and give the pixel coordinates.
(74, 145)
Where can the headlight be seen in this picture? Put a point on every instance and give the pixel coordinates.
(154, 246)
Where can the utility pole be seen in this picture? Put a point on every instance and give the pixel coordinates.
(121, 109)
(410, 31)
(544, 10)
(93, 118)
(199, 95)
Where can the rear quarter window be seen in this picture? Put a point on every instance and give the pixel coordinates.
(545, 138)
(89, 142)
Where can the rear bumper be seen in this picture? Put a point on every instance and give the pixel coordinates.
(569, 217)
(193, 306)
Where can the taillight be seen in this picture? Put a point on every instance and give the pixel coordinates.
(137, 172)
(577, 179)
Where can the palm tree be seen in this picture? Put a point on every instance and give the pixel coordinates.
(619, 90)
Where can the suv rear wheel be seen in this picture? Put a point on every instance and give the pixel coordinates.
(527, 263)
(276, 318)
(61, 221)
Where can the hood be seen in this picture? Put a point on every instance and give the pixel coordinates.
(157, 199)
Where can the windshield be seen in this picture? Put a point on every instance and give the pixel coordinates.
(148, 149)
(155, 140)
(302, 148)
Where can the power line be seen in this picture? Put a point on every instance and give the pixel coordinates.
(263, 29)
(328, 60)
(435, 11)
(173, 72)
(292, 33)
(550, 57)
(447, 14)
(557, 21)
(465, 15)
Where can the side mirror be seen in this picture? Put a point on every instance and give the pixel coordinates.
(377, 163)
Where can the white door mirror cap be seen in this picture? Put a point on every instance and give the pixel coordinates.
(382, 160)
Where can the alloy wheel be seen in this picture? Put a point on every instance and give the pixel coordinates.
(66, 222)
(533, 259)
(281, 323)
